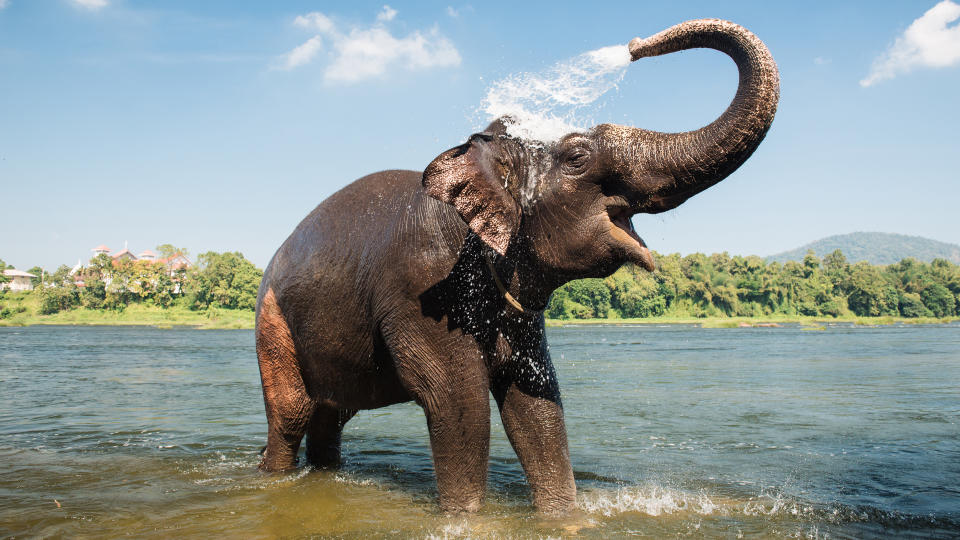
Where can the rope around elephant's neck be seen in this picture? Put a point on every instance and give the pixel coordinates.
(503, 290)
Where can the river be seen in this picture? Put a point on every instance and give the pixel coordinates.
(841, 432)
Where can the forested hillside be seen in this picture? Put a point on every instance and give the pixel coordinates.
(875, 248)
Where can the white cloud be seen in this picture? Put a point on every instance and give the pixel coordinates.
(927, 42)
(315, 21)
(366, 52)
(822, 60)
(4, 3)
(303, 53)
(386, 14)
(457, 12)
(90, 4)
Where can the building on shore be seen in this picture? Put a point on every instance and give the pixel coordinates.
(174, 264)
(124, 255)
(19, 281)
(177, 261)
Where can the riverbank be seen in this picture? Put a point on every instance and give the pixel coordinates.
(140, 315)
(761, 322)
(22, 313)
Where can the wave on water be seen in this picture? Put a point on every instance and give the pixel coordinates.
(656, 500)
(345, 478)
(650, 500)
(543, 106)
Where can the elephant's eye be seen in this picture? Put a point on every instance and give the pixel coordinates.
(576, 160)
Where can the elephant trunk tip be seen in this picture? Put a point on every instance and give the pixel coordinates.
(639, 49)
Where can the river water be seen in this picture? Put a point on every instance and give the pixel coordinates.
(674, 431)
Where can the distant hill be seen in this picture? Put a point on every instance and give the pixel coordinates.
(875, 248)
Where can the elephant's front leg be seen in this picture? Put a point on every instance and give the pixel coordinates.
(459, 423)
(532, 415)
(448, 378)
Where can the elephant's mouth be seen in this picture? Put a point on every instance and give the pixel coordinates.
(621, 229)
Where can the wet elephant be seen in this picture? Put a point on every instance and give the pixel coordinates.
(430, 286)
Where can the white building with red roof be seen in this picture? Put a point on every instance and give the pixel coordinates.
(19, 280)
(124, 255)
(176, 261)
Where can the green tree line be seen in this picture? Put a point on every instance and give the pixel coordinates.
(218, 280)
(693, 286)
(719, 285)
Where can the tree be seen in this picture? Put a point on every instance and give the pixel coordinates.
(946, 274)
(939, 300)
(633, 294)
(56, 299)
(94, 294)
(225, 280)
(591, 293)
(908, 274)
(721, 262)
(811, 264)
(166, 251)
(562, 307)
(150, 281)
(119, 292)
(3, 277)
(869, 294)
(911, 305)
(38, 278)
(581, 299)
(835, 263)
(556, 307)
(669, 277)
(756, 285)
(60, 277)
(100, 266)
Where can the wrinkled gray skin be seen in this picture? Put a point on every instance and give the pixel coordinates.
(383, 294)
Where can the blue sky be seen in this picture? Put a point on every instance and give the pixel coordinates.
(219, 125)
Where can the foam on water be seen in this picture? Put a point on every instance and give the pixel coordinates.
(544, 105)
(650, 500)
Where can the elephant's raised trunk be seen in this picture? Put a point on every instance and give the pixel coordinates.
(675, 166)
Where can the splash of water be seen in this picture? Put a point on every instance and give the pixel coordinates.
(650, 500)
(544, 105)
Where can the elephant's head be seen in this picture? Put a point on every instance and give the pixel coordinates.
(565, 207)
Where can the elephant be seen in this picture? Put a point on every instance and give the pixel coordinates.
(430, 286)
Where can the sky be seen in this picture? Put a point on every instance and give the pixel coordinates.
(219, 125)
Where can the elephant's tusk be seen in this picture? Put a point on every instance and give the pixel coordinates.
(503, 290)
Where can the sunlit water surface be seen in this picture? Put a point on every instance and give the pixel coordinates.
(674, 431)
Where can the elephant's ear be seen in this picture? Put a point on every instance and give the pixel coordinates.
(468, 177)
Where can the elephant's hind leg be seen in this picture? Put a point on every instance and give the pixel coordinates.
(323, 435)
(288, 406)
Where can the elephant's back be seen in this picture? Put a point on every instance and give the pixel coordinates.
(380, 232)
(333, 237)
